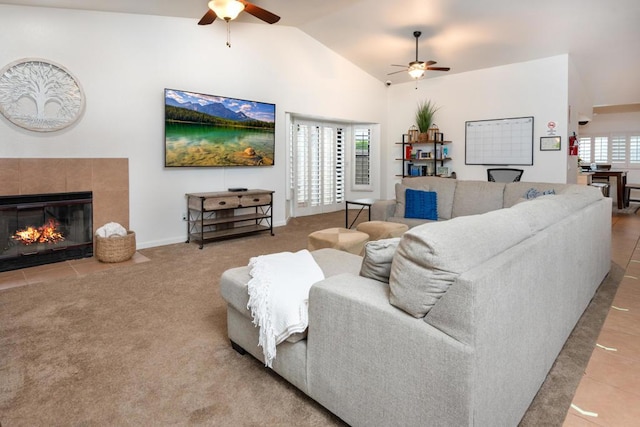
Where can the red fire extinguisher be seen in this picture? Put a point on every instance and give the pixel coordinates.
(573, 145)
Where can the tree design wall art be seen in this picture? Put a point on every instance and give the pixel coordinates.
(39, 95)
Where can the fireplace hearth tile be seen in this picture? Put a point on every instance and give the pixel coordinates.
(56, 271)
(61, 270)
(12, 279)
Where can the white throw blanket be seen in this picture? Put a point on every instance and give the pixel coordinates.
(279, 296)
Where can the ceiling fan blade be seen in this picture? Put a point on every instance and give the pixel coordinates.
(208, 18)
(438, 68)
(396, 72)
(397, 65)
(260, 13)
(430, 62)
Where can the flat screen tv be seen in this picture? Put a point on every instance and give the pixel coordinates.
(208, 131)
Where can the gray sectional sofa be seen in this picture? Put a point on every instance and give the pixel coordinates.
(475, 311)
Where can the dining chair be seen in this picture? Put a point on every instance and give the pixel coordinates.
(504, 174)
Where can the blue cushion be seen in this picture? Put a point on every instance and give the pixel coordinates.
(421, 204)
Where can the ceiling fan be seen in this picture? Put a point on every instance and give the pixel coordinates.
(417, 68)
(230, 9)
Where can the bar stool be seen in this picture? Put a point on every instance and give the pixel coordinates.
(627, 192)
(603, 186)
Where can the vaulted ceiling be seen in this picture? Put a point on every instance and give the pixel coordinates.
(602, 37)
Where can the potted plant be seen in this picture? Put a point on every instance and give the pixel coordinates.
(424, 118)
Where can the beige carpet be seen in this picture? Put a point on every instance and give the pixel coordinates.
(146, 344)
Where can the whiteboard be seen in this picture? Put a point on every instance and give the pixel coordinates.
(499, 142)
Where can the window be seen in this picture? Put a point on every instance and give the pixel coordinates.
(620, 149)
(317, 156)
(362, 161)
(584, 149)
(634, 150)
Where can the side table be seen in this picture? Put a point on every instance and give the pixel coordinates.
(359, 202)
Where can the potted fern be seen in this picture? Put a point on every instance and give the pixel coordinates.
(424, 118)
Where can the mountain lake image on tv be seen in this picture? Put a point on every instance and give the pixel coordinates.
(207, 130)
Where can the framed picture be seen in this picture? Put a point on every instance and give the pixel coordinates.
(442, 171)
(550, 143)
(425, 155)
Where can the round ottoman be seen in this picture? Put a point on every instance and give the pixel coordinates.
(382, 229)
(338, 238)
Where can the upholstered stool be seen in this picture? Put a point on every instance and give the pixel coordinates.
(338, 238)
(382, 229)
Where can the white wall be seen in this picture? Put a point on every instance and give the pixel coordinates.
(535, 88)
(580, 105)
(125, 61)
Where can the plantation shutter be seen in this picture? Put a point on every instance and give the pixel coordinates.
(601, 149)
(634, 149)
(618, 149)
(318, 162)
(584, 149)
(362, 169)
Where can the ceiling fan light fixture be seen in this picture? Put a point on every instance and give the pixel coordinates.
(416, 70)
(226, 9)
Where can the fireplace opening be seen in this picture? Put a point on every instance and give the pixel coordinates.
(39, 229)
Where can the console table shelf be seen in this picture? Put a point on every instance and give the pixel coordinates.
(227, 214)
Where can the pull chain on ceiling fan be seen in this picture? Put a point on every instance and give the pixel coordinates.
(417, 68)
(230, 9)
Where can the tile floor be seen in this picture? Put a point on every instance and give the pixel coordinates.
(609, 392)
(610, 387)
(76, 267)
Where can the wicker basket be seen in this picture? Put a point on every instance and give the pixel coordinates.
(116, 248)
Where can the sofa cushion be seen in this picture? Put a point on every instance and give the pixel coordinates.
(400, 200)
(477, 197)
(378, 255)
(430, 257)
(421, 204)
(445, 187)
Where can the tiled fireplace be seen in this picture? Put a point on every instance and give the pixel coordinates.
(104, 181)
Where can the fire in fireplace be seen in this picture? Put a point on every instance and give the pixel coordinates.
(45, 228)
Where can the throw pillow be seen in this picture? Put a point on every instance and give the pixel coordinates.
(378, 255)
(421, 204)
(532, 193)
(430, 257)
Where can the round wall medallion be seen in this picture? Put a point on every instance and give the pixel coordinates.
(39, 95)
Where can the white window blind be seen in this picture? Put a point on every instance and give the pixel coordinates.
(318, 165)
(634, 149)
(618, 148)
(584, 149)
(362, 149)
(601, 149)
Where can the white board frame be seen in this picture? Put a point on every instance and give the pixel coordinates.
(499, 142)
